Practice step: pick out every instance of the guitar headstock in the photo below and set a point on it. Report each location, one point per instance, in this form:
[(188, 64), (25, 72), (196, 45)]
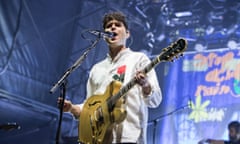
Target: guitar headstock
[(173, 51)]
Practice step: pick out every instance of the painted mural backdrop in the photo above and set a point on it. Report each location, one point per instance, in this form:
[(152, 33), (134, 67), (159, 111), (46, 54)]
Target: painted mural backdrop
[(208, 84)]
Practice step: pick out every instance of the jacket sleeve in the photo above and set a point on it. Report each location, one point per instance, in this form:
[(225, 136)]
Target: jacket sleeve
[(155, 97)]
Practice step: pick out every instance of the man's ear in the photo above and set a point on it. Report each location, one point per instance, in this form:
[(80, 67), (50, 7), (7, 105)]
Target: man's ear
[(128, 33)]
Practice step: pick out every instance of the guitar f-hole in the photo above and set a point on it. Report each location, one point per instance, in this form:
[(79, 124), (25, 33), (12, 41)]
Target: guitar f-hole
[(98, 114)]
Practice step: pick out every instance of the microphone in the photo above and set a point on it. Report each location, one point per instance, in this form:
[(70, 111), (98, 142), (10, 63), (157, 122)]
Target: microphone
[(10, 126), (102, 34)]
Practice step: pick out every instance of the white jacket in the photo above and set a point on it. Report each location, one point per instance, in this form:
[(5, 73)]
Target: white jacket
[(124, 67)]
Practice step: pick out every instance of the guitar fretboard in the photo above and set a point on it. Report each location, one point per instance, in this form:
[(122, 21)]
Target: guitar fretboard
[(131, 83), (166, 55)]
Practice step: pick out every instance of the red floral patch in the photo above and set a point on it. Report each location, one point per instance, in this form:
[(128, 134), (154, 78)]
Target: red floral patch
[(120, 73), (121, 69)]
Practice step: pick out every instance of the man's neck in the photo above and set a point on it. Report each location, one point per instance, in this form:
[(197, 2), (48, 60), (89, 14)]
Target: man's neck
[(113, 51)]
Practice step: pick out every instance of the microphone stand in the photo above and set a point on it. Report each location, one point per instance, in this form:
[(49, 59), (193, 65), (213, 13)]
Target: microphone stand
[(63, 95), (155, 121), (62, 83)]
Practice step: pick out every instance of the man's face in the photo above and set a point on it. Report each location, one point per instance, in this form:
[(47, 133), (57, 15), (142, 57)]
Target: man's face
[(232, 134), (120, 33)]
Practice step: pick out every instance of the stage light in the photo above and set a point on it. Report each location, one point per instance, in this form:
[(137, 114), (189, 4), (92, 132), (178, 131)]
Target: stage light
[(183, 14), (200, 45), (232, 44), (210, 29), (150, 39), (161, 37)]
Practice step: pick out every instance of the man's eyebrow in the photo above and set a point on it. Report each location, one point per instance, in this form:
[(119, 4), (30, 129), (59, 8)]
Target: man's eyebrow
[(114, 22)]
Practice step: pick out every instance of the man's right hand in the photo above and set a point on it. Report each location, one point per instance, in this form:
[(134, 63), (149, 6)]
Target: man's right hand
[(67, 105)]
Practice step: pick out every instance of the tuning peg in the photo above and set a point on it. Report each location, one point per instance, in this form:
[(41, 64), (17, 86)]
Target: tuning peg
[(165, 49)]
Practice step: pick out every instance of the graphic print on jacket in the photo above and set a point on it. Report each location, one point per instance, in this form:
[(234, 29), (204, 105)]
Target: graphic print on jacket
[(119, 76)]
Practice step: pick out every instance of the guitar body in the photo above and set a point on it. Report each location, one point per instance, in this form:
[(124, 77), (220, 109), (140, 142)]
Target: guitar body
[(98, 117)]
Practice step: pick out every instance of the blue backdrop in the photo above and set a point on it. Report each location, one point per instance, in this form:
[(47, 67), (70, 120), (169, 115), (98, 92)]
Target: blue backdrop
[(203, 92)]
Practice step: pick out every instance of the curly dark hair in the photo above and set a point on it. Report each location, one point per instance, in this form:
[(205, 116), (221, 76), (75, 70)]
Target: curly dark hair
[(235, 125), (119, 16)]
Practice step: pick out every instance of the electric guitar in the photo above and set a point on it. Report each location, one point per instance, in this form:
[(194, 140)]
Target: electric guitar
[(101, 112)]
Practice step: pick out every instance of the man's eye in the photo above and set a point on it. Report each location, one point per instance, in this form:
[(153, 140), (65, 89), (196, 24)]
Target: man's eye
[(108, 26)]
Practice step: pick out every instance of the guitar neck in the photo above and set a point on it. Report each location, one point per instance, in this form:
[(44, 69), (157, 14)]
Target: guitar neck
[(167, 54), (131, 83)]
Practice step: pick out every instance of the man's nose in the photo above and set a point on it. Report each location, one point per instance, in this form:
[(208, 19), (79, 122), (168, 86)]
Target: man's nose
[(113, 27)]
